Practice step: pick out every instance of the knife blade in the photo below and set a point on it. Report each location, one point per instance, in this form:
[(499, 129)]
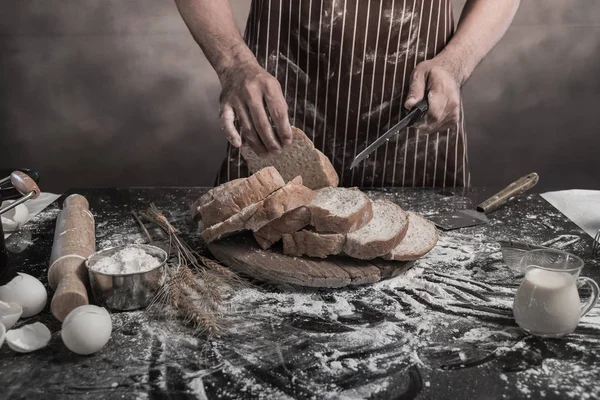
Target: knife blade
[(413, 116)]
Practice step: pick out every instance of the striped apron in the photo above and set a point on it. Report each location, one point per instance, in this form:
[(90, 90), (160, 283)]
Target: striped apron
[(344, 67)]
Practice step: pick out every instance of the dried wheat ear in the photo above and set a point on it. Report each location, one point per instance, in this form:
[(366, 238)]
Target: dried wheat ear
[(195, 288)]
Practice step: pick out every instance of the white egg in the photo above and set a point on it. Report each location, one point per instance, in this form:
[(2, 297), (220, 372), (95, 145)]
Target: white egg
[(13, 219), (28, 338), (2, 334), (10, 314), (27, 292), (86, 329)]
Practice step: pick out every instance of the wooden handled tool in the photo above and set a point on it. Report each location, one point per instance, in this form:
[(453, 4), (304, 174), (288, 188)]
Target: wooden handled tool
[(74, 242), (24, 184), (464, 218), (516, 188)]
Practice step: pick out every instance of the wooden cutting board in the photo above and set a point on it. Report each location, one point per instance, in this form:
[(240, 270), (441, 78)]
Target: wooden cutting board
[(242, 254)]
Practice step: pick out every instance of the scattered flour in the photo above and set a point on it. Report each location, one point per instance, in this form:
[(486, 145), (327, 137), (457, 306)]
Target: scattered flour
[(451, 311), (126, 261)]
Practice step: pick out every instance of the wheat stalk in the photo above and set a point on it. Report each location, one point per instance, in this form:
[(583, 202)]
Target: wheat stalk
[(196, 287)]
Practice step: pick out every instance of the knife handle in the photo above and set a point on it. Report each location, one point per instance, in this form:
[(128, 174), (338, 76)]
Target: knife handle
[(516, 188), (24, 184), (420, 109)]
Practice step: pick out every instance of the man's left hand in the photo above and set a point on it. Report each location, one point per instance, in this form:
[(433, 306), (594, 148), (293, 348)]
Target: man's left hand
[(437, 80)]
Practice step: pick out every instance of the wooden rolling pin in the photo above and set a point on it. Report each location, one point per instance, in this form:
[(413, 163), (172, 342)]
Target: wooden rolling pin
[(74, 242)]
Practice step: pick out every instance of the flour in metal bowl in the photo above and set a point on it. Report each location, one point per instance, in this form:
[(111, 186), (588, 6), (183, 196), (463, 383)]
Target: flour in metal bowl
[(128, 260)]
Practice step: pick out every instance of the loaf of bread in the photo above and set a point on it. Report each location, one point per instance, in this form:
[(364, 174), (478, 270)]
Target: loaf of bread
[(316, 223), (299, 158)]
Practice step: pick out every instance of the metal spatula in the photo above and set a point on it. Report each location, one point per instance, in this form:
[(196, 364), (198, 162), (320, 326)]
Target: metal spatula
[(463, 218)]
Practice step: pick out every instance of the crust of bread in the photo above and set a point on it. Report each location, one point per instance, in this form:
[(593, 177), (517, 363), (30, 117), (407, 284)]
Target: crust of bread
[(299, 158), (231, 198), (290, 222), (331, 177), (291, 196)]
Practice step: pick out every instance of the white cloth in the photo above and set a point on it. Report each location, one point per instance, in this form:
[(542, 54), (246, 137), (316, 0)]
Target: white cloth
[(580, 206)]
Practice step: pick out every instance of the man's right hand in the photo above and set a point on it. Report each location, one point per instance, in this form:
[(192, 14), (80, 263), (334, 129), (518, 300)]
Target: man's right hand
[(253, 97)]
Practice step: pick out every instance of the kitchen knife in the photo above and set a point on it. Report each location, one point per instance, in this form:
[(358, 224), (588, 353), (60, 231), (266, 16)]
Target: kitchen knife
[(413, 116), (463, 218)]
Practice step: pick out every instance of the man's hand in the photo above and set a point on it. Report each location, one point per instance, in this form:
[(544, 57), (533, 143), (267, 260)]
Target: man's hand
[(253, 97), (250, 94), (482, 23), (441, 85)]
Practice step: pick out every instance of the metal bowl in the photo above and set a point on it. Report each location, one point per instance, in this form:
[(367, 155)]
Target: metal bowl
[(130, 291)]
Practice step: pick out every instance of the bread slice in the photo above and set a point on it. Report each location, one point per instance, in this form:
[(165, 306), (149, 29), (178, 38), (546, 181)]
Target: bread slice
[(291, 196), (299, 158), (210, 195), (421, 237), (378, 238), (229, 199), (381, 235), (313, 244), (333, 210), (340, 210), (290, 222), (217, 191)]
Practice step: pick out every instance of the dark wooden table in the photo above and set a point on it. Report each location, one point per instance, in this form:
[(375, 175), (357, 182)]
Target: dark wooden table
[(443, 331)]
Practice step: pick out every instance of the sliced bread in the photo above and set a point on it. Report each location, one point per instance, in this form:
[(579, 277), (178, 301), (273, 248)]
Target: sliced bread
[(340, 210), (313, 244), (217, 191), (333, 210), (299, 158), (421, 237), (381, 235), (231, 198), (210, 195), (291, 196), (290, 222)]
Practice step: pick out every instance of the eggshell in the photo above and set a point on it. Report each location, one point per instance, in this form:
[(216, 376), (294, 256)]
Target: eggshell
[(28, 338), (10, 314), (86, 329), (13, 219), (27, 292), (2, 334)]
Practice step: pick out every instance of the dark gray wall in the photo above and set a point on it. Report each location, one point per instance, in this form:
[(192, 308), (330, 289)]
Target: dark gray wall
[(116, 93)]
